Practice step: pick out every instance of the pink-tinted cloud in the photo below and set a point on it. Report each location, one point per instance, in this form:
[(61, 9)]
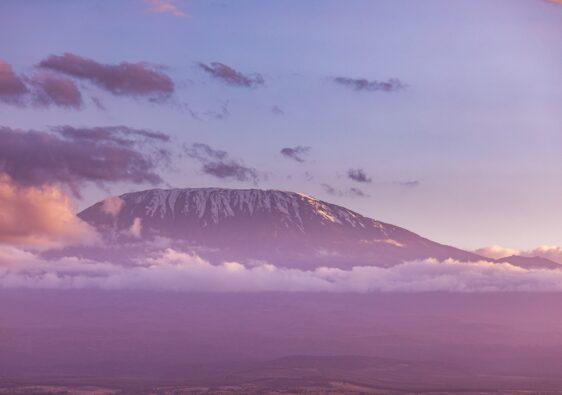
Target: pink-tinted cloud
[(131, 79), (164, 7), (12, 86), (113, 205), (362, 84), (496, 252), (218, 164), (178, 271), (553, 253), (358, 175), (39, 217), (36, 158), (295, 153), (54, 90), (230, 76)]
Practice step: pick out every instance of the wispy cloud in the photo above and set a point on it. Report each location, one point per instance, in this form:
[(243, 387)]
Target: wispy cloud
[(217, 163), (296, 153), (362, 84), (352, 192), (164, 7), (229, 76)]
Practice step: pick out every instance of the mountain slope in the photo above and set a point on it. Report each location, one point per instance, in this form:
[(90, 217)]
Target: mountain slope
[(284, 228)]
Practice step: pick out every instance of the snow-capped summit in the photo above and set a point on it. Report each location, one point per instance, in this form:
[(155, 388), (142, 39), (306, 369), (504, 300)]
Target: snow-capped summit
[(284, 228)]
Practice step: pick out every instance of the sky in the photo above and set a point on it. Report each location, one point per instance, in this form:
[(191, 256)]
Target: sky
[(441, 117)]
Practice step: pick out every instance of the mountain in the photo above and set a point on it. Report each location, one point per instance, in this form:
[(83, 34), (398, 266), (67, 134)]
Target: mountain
[(530, 262), (284, 228)]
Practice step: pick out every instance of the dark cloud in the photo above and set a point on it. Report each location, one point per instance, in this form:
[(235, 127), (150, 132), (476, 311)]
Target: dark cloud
[(358, 175), (230, 76), (361, 84), (295, 153), (12, 86), (34, 158), (120, 135), (53, 90), (353, 192), (131, 79), (218, 164)]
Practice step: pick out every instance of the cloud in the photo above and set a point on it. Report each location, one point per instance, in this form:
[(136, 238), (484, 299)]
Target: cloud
[(295, 153), (119, 135), (358, 175), (230, 76), (353, 192), (557, 2), (164, 7), (130, 79), (53, 90), (496, 252), (554, 253), (218, 164), (12, 86), (409, 184), (136, 227), (39, 217), (277, 110), (170, 269), (113, 205), (361, 84), (34, 158)]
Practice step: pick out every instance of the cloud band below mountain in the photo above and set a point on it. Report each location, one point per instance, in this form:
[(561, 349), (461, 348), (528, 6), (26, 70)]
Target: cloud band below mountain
[(178, 271)]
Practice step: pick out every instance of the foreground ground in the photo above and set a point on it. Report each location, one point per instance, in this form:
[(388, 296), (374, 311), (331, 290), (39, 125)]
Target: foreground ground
[(151, 342)]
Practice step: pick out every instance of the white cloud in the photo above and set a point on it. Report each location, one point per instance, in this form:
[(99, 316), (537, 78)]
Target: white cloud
[(136, 227), (179, 271)]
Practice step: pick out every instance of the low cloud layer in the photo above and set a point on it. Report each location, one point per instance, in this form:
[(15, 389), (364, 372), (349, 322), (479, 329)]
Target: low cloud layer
[(34, 158), (553, 253), (178, 271), (297, 153), (39, 217), (130, 79), (229, 76), (217, 163), (362, 84)]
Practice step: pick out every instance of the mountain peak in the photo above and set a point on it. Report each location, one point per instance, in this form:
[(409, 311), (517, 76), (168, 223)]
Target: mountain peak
[(286, 228)]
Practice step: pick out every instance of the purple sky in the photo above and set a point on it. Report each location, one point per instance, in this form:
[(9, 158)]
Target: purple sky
[(445, 116)]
